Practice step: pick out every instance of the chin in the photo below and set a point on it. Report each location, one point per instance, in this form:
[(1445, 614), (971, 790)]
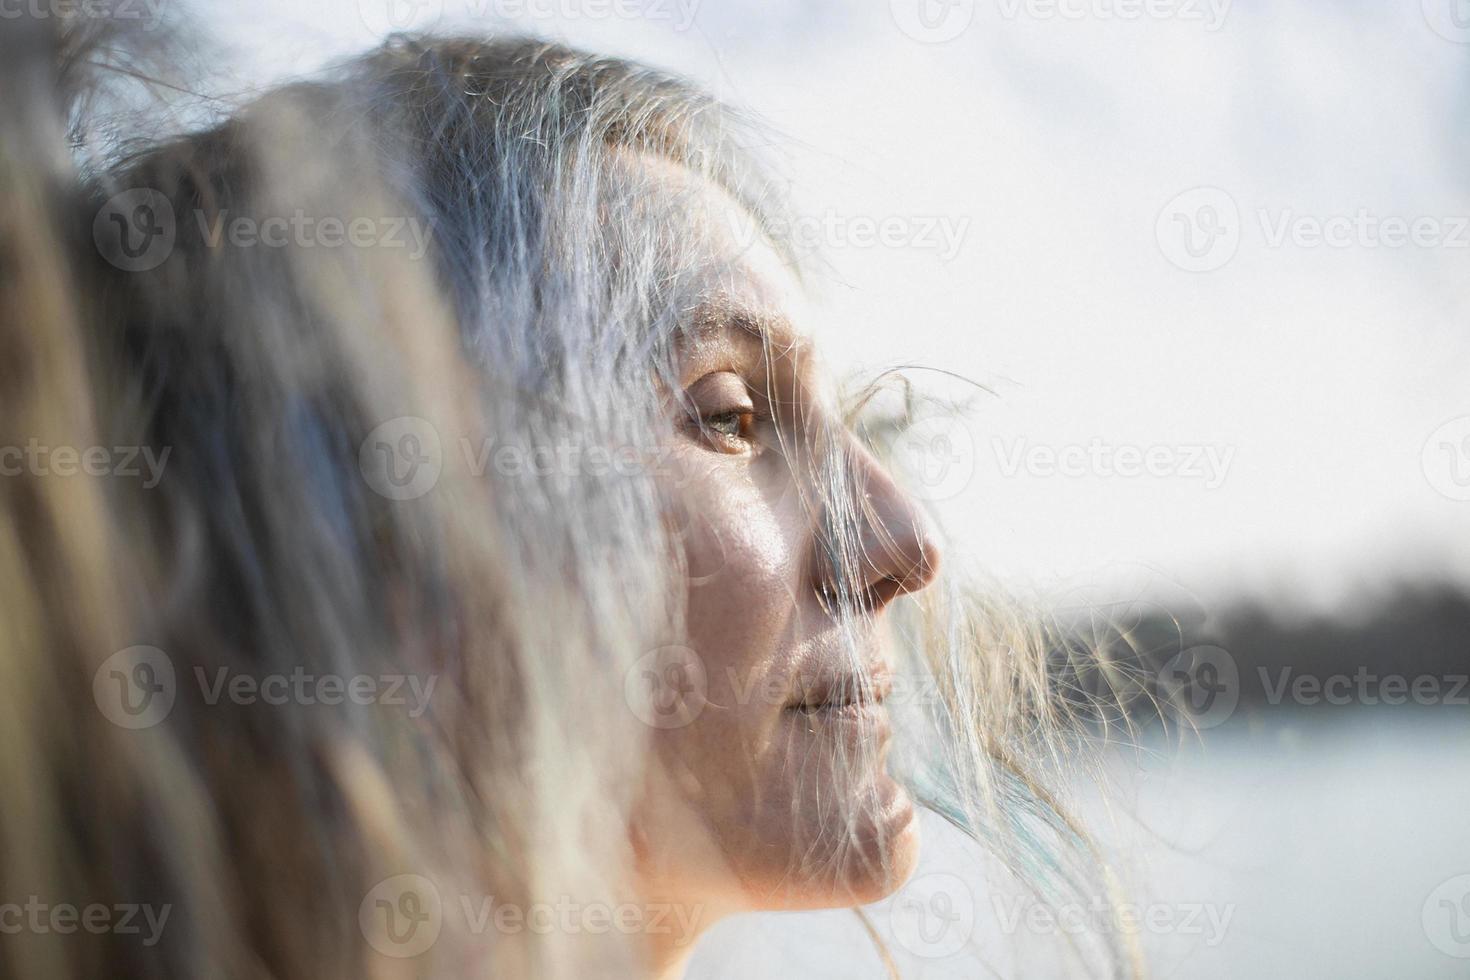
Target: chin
[(875, 859), (889, 850)]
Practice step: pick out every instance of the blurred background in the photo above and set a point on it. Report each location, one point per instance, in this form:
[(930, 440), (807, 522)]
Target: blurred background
[(1208, 261)]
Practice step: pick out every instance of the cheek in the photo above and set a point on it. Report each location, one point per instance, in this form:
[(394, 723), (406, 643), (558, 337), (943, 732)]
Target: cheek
[(769, 795), (744, 543)]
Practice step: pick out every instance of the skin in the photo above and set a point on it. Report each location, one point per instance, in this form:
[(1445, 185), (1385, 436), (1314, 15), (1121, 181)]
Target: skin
[(770, 790)]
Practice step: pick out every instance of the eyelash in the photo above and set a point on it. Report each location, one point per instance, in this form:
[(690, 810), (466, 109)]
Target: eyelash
[(736, 427), (714, 428), (744, 421)]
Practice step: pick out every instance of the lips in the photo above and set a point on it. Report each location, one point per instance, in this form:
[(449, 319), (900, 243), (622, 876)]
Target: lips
[(843, 695)]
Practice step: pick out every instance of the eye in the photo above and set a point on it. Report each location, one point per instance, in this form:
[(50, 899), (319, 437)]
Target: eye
[(734, 424), (722, 413)]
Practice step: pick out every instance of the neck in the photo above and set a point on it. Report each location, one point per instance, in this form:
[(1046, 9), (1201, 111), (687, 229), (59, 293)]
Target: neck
[(669, 962), (673, 929)]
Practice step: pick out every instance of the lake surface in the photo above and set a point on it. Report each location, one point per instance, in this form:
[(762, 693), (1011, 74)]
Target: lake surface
[(1328, 844)]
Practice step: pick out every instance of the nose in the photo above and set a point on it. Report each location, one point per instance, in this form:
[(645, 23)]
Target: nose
[(873, 542)]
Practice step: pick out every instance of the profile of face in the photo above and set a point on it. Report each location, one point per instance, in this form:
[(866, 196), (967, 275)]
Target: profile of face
[(770, 789)]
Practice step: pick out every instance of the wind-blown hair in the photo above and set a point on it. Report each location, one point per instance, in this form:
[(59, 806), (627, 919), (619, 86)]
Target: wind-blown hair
[(530, 299)]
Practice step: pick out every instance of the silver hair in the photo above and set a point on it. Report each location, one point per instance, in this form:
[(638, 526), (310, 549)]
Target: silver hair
[(545, 311)]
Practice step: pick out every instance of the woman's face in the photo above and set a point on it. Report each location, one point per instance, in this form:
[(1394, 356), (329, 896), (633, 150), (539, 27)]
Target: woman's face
[(769, 722)]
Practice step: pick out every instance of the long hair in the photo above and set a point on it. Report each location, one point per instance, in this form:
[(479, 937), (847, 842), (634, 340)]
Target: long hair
[(348, 336)]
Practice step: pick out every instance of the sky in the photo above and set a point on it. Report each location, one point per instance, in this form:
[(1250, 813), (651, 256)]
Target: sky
[(1209, 260), (1207, 257)]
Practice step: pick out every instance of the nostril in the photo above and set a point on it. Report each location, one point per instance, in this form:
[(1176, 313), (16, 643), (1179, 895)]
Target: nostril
[(885, 591), (926, 569), (893, 549)]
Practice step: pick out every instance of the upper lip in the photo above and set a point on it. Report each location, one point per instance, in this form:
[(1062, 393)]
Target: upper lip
[(839, 690)]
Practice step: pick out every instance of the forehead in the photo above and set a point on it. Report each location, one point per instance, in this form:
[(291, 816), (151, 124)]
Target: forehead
[(746, 289)]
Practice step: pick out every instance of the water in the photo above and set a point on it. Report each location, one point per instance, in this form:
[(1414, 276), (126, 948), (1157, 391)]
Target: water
[(1324, 845)]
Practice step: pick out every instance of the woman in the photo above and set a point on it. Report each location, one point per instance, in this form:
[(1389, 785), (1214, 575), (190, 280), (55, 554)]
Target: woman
[(515, 596)]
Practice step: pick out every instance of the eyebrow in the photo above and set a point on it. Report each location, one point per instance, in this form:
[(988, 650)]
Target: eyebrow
[(774, 330)]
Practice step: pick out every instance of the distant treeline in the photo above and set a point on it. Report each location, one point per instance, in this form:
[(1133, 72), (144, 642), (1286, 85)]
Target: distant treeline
[(1409, 647)]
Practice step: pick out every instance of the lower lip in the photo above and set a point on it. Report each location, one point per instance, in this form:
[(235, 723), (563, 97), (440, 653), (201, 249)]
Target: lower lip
[(861, 721), (855, 712)]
